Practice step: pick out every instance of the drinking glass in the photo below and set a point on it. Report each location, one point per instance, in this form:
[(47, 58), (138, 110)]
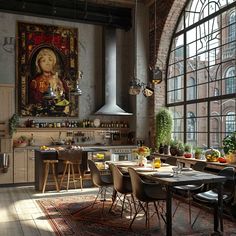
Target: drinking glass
[(179, 167), (157, 162), (175, 171)]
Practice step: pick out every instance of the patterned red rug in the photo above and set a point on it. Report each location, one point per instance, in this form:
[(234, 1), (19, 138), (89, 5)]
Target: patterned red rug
[(73, 215)]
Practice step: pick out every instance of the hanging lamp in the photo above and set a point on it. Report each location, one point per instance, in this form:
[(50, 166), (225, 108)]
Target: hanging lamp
[(156, 73)]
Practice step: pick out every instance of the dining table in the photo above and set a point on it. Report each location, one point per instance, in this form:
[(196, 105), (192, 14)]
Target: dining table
[(165, 176)]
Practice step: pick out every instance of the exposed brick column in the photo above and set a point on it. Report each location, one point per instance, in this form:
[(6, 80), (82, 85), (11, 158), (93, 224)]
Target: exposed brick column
[(168, 13)]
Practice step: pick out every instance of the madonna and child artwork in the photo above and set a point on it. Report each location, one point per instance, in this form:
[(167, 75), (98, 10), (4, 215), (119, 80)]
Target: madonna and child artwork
[(48, 70)]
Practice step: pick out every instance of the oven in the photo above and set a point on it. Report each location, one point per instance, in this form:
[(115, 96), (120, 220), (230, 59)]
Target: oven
[(122, 154)]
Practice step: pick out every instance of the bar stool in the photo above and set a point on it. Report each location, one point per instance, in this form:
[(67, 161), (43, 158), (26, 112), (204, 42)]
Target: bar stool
[(69, 169), (47, 164)]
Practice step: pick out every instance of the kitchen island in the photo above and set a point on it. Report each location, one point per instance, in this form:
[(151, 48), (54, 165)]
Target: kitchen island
[(41, 155)]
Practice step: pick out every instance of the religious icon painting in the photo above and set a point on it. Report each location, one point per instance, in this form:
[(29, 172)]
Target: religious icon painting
[(47, 68)]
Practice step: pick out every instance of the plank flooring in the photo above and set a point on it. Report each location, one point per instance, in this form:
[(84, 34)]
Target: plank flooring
[(21, 216)]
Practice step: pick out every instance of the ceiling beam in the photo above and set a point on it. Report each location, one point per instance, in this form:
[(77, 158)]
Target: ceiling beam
[(69, 10)]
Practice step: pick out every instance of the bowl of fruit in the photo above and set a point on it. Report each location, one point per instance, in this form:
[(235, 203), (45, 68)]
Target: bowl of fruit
[(22, 141), (212, 155)]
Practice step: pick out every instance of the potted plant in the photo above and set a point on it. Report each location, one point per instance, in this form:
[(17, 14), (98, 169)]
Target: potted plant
[(180, 149), (229, 146), (13, 124), (173, 147), (164, 123), (197, 152), (188, 150)]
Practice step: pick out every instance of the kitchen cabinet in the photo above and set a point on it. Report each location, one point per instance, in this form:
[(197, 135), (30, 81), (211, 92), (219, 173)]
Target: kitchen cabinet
[(23, 165)]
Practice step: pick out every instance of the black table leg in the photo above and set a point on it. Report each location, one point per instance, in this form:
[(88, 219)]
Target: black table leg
[(169, 211), (219, 212)]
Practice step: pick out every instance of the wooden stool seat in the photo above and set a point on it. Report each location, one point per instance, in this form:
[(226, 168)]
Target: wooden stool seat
[(47, 164), (69, 169)]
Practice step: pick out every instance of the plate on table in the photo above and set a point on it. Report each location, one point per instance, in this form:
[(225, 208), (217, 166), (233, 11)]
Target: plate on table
[(164, 164), (145, 169), (187, 169), (163, 174)]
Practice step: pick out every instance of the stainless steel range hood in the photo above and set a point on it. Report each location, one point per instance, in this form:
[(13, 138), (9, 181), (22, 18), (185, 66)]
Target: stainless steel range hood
[(110, 107)]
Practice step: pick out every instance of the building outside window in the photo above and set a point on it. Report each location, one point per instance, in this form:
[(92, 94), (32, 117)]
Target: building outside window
[(201, 82)]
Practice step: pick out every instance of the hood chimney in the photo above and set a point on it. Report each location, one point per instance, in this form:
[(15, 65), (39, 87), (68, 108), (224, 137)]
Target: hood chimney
[(110, 107)]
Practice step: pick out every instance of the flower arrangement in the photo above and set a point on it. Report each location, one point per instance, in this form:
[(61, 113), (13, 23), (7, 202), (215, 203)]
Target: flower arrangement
[(142, 151)]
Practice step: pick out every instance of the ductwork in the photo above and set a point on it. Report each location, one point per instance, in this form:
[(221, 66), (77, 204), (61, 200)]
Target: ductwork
[(110, 107)]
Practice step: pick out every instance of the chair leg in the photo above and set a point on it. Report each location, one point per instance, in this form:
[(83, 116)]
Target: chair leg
[(68, 177), (99, 192), (80, 178), (63, 175), (73, 175), (54, 176), (123, 203), (45, 177), (177, 206), (196, 218)]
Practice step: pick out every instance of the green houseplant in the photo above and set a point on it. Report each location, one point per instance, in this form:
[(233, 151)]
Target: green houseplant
[(229, 146), (13, 124), (229, 143), (197, 152), (164, 123)]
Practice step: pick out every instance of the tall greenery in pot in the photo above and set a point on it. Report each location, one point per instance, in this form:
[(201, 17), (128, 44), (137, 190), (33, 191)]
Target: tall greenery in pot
[(164, 124)]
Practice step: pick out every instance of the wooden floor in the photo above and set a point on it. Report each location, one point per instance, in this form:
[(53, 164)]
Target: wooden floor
[(20, 215)]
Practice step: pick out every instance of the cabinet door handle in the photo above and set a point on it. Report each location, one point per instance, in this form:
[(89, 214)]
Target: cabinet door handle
[(32, 158)]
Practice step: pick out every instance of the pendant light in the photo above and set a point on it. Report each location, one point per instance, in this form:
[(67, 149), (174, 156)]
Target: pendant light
[(156, 73), (135, 85), (76, 91)]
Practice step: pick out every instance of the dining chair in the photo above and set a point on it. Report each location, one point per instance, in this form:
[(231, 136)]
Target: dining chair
[(146, 193), (123, 188), (103, 182), (210, 198), (171, 161), (189, 189)]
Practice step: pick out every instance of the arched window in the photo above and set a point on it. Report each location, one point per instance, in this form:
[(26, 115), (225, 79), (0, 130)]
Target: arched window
[(230, 122), (191, 90), (232, 27), (204, 86), (191, 127), (230, 81)]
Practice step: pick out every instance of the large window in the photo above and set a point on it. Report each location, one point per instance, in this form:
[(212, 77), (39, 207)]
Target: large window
[(201, 81)]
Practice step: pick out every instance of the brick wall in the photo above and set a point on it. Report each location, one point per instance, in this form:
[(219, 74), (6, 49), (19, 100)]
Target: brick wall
[(167, 14)]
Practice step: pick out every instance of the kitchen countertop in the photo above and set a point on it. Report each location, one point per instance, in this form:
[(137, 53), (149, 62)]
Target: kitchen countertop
[(85, 146)]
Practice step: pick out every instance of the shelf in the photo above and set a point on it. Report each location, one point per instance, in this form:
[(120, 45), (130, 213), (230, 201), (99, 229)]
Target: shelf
[(66, 129)]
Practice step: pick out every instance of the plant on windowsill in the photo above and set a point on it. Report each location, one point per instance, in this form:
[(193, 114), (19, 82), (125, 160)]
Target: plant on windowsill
[(187, 150), (164, 123), (173, 147), (197, 152)]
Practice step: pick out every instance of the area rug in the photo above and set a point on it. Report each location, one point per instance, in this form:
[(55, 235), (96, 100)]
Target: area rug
[(74, 215)]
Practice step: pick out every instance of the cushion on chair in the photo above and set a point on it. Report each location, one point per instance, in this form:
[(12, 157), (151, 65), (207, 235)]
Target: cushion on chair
[(209, 197)]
